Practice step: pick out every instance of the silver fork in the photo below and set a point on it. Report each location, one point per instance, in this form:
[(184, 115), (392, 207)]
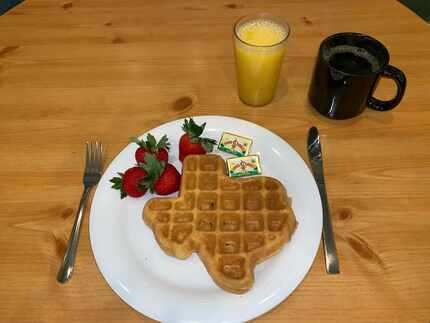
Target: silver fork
[(92, 174)]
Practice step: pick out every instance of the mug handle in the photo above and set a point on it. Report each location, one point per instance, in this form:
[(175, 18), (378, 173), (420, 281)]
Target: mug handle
[(399, 77)]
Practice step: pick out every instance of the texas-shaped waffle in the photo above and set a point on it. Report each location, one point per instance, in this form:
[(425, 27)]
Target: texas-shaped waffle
[(233, 224)]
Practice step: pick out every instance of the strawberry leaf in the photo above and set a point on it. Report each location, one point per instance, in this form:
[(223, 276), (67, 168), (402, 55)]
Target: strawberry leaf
[(141, 143), (151, 142), (194, 132), (117, 184), (195, 129), (147, 183), (185, 125), (163, 143), (192, 129), (208, 144), (154, 168)]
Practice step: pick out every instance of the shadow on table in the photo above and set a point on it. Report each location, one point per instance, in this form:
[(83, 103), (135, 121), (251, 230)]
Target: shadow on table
[(420, 7), (5, 5)]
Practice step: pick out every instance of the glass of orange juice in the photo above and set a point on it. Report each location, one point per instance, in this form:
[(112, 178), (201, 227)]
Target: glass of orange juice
[(259, 46)]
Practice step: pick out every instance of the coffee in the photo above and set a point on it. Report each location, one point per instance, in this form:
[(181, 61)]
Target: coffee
[(352, 60), (346, 72)]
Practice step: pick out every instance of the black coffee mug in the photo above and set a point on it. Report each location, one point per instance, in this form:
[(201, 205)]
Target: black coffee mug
[(348, 68)]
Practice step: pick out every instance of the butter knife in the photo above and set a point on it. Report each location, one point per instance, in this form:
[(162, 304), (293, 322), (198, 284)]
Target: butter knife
[(315, 157)]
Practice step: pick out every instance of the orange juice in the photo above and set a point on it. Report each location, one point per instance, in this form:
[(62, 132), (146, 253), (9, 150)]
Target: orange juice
[(259, 49)]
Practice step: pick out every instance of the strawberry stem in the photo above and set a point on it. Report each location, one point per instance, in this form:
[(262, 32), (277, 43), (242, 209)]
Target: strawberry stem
[(150, 144), (154, 168), (194, 131)]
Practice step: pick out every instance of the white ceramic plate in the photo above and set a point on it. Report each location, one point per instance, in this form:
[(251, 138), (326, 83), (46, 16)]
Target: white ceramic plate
[(172, 290)]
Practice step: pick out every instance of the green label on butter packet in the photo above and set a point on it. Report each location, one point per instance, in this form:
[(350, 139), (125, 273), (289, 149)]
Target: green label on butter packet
[(244, 166), (234, 144)]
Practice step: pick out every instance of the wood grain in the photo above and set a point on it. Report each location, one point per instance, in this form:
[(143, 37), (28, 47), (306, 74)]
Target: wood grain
[(75, 70)]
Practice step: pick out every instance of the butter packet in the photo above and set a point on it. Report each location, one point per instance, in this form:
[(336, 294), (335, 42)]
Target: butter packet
[(244, 166), (234, 144)]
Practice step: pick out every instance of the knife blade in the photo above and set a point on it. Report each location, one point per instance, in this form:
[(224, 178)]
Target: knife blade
[(316, 161)]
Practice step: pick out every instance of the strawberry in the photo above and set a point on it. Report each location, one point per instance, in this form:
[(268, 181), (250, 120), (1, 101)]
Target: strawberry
[(168, 182), (130, 183), (162, 178), (150, 146), (191, 143)]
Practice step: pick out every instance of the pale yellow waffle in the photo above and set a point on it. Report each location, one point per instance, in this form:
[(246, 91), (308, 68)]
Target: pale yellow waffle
[(233, 224)]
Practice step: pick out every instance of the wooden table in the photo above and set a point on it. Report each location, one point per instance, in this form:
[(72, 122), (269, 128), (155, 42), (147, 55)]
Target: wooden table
[(71, 71)]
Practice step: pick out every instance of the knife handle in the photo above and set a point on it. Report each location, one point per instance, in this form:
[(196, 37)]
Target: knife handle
[(331, 259)]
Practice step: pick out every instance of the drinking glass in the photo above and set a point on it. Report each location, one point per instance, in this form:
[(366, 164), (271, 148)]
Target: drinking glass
[(259, 46)]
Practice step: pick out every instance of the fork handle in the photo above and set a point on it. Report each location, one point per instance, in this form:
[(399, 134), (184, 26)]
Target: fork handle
[(68, 263)]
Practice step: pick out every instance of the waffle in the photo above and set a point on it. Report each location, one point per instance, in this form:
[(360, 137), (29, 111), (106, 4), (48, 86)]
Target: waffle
[(233, 224)]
